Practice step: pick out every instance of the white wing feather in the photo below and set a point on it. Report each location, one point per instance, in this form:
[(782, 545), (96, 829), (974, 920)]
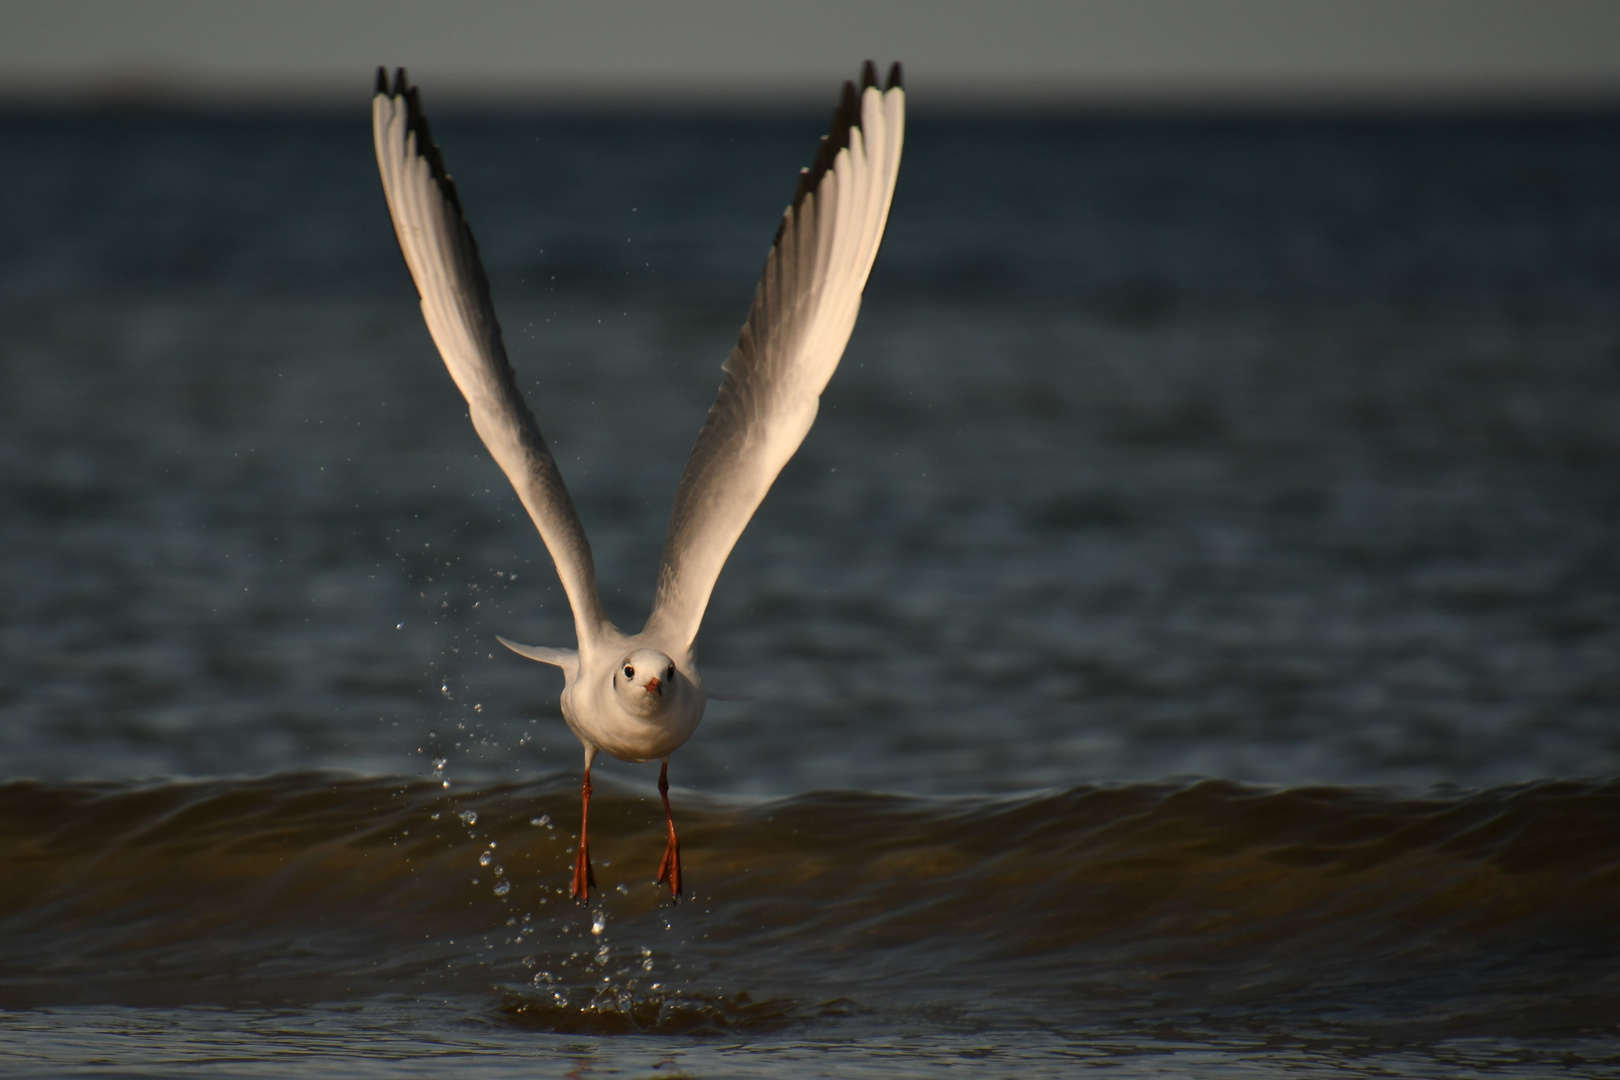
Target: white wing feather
[(443, 259), (803, 313)]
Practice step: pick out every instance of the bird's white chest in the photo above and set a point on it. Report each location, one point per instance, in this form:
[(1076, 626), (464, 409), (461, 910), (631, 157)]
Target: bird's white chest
[(595, 714)]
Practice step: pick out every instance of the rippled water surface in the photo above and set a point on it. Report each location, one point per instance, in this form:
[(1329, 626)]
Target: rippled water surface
[(1121, 923), (1184, 646)]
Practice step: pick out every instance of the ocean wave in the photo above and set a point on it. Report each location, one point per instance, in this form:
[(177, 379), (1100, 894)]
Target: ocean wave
[(1141, 898)]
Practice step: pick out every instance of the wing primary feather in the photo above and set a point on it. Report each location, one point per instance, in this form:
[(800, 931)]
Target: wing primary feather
[(868, 75), (893, 123), (846, 115), (382, 80), (429, 150), (895, 81)]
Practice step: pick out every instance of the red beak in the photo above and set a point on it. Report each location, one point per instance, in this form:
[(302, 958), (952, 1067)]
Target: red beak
[(652, 685)]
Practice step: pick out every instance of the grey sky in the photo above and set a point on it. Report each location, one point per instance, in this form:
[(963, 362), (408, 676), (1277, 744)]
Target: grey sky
[(1271, 52)]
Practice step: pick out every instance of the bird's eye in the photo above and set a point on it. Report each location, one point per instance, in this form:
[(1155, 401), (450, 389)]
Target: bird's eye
[(669, 676), (629, 672)]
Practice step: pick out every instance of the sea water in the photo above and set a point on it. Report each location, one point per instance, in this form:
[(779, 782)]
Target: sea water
[(1185, 645)]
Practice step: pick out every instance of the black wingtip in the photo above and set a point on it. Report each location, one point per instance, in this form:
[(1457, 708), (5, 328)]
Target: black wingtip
[(382, 80), (894, 77), (849, 103), (416, 121), (844, 117)]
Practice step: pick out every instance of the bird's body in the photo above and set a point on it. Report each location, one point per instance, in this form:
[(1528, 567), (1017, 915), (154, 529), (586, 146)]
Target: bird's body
[(639, 696), (616, 712)]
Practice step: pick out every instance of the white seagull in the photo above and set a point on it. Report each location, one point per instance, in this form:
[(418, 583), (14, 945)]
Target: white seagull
[(639, 696)]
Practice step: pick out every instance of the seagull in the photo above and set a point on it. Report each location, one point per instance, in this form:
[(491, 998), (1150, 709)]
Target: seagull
[(639, 696)]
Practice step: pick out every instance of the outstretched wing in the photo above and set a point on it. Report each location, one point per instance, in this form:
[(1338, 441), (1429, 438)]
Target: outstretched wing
[(443, 259), (804, 310)]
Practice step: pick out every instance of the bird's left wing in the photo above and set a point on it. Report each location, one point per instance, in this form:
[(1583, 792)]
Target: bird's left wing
[(804, 311), (443, 260)]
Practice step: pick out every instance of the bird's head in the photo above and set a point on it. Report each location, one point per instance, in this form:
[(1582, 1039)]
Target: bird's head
[(646, 682)]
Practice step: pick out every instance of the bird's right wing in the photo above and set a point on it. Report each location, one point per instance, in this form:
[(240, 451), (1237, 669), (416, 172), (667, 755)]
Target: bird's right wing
[(804, 311), (443, 259)]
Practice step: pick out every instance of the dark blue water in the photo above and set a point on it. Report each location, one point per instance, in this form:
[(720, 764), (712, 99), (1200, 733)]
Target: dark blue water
[(1280, 454)]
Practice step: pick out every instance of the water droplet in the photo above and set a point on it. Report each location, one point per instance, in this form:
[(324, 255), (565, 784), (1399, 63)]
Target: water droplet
[(483, 860), (434, 816), (439, 763), (502, 888), (478, 708), (468, 817), (599, 923), (543, 819), (602, 954), (399, 626)]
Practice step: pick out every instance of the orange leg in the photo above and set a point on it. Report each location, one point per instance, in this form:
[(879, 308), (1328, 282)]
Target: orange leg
[(670, 869), (584, 876)]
